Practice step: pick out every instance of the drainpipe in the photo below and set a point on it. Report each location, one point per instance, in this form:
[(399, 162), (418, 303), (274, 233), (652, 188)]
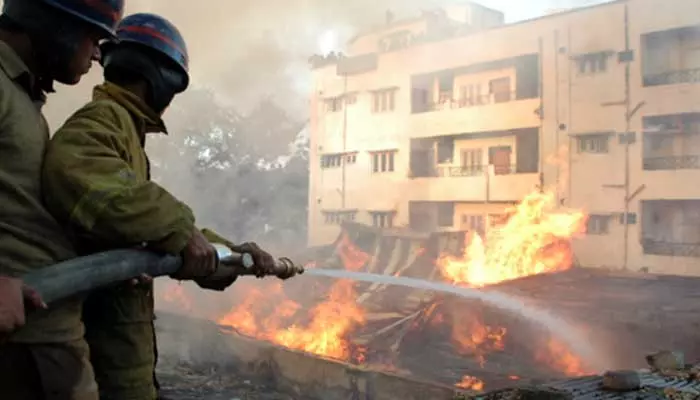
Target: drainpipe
[(343, 158), (570, 177), (557, 115), (540, 136), (628, 117)]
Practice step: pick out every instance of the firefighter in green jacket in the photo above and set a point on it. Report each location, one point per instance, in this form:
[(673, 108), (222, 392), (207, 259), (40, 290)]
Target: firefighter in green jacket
[(96, 177), (41, 41)]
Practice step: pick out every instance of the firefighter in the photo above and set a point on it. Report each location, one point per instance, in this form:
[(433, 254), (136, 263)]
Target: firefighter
[(97, 182), (41, 41)]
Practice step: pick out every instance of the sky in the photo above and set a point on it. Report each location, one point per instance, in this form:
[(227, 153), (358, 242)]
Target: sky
[(248, 49)]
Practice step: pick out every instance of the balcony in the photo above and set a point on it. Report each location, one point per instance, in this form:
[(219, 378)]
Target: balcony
[(456, 117), (673, 77), (670, 249), (472, 184), (672, 163)]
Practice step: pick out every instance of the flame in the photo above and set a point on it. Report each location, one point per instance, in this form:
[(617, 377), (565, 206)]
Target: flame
[(352, 257), (559, 357), (474, 337), (329, 322), (534, 240), (471, 383)]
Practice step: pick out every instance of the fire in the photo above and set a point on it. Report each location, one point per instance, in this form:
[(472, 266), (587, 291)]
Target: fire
[(471, 383), (562, 359), (534, 240), (328, 323), (331, 320), (474, 337)]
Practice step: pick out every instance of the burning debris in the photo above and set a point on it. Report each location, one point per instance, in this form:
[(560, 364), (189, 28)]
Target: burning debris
[(381, 327)]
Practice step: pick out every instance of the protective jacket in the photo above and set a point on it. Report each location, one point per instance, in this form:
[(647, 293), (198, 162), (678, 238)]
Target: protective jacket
[(97, 181)]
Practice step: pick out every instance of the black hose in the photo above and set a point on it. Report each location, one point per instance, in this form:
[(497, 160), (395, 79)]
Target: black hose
[(83, 274)]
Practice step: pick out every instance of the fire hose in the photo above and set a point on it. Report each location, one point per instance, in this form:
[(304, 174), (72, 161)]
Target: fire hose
[(84, 274)]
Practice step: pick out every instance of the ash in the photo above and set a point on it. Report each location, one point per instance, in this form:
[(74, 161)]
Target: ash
[(183, 381)]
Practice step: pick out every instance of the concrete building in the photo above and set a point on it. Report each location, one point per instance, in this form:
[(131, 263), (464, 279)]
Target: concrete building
[(438, 122)]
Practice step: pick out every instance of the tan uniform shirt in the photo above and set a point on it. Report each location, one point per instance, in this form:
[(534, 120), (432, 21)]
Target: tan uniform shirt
[(30, 237)]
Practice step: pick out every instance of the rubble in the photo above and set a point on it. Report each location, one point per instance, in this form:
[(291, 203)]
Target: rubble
[(621, 380)]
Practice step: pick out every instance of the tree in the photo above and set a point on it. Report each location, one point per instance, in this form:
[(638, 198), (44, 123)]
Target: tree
[(245, 176)]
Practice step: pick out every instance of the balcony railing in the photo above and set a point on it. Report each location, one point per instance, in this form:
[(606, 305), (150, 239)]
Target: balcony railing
[(672, 163), (671, 249), (448, 171), (673, 77), (473, 101), (451, 171)]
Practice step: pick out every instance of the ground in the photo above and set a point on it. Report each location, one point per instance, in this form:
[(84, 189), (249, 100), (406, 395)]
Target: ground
[(185, 382)]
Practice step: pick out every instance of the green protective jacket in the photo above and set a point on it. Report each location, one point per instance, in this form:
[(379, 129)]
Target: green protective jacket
[(96, 177), (97, 182)]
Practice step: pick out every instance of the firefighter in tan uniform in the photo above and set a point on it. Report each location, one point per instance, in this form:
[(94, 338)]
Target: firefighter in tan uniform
[(97, 182), (41, 41)]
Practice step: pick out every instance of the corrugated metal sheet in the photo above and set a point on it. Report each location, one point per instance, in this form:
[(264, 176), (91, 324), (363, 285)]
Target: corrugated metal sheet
[(653, 386), (389, 309)]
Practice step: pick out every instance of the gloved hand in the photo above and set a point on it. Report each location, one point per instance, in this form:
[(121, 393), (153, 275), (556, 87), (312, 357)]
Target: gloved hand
[(198, 258), (264, 263)]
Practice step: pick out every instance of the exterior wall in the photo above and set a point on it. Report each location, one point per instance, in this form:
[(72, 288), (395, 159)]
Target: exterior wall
[(573, 103)]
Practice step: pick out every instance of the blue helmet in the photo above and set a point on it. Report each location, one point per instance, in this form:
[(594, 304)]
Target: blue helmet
[(102, 14), (157, 33)]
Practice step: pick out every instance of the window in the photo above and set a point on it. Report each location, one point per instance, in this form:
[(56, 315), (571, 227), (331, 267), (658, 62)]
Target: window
[(500, 90), (445, 214), (593, 63), (350, 99), (338, 217), (331, 160), (445, 150), (382, 219), (593, 143), (336, 160), (472, 161), (470, 95), (383, 100), (598, 224), (383, 161), (334, 104), (475, 223), (498, 220)]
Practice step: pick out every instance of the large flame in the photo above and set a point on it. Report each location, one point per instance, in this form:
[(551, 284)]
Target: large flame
[(328, 323), (534, 240)]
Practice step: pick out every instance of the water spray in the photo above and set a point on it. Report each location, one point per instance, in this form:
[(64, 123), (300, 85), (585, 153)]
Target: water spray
[(508, 303)]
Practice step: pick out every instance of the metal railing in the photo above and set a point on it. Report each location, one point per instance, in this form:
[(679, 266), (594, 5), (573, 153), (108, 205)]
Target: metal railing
[(672, 163), (673, 77), (673, 249), (473, 101), (456, 171)]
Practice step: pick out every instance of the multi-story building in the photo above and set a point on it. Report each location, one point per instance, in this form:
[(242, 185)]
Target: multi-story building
[(438, 122)]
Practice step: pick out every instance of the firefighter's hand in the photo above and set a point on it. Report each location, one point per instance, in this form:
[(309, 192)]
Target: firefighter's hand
[(263, 262), (14, 295), (198, 258)]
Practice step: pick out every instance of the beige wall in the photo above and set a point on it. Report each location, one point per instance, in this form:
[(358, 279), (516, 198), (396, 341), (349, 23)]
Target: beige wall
[(574, 104)]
